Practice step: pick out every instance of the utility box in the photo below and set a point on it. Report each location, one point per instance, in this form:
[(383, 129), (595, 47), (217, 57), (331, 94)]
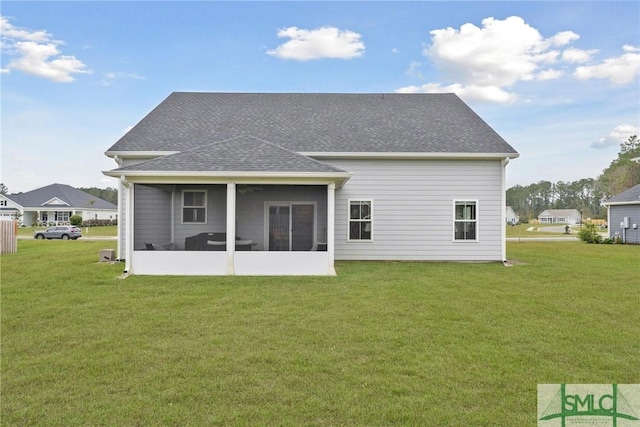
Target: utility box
[(107, 255)]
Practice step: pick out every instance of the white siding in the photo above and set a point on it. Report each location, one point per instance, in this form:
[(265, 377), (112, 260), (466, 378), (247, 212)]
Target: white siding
[(413, 209)]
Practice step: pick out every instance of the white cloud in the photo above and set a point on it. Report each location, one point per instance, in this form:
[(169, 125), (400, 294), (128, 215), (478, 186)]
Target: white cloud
[(498, 54), (11, 32), (469, 92), (616, 137), (110, 78), (563, 38), (414, 69), (38, 54), (324, 42), (620, 70), (486, 62), (578, 56), (549, 74)]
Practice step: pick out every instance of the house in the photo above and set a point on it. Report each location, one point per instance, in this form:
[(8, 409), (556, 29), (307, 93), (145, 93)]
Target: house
[(9, 210), (560, 216), (284, 184), (510, 216), (55, 204), (623, 215)]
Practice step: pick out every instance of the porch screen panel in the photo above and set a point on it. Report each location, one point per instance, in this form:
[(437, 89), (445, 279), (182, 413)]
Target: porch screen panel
[(302, 227), (279, 217)]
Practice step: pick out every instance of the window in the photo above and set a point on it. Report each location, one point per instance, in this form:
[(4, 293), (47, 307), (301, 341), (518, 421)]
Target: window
[(465, 220), (360, 220), (62, 216), (194, 206)]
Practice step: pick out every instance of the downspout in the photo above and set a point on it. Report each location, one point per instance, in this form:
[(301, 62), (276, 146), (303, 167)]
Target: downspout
[(609, 221), (120, 214), (503, 196), (128, 243)]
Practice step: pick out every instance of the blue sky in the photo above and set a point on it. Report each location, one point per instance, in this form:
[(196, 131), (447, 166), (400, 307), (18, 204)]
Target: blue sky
[(560, 81)]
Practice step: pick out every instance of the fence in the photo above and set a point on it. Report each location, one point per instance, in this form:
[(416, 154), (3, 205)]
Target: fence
[(8, 237)]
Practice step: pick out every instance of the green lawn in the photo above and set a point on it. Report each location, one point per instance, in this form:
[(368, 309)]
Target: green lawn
[(538, 230), (383, 343)]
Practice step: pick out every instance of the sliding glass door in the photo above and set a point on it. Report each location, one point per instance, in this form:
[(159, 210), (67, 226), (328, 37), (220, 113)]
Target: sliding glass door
[(291, 226)]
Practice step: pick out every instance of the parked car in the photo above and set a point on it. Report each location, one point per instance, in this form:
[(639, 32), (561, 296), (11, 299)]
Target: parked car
[(64, 232)]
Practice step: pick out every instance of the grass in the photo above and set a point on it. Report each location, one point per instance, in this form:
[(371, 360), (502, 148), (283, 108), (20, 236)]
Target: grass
[(538, 230), (384, 343)]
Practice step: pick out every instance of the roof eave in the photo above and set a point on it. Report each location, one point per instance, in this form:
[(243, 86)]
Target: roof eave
[(407, 155), (138, 154), (627, 202), (215, 177)]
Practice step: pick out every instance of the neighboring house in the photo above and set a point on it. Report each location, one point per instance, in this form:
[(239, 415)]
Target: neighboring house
[(55, 204), (9, 210), (510, 216), (284, 184), (560, 216), (623, 215)]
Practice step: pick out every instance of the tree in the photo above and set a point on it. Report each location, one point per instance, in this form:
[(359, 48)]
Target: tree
[(109, 194), (4, 190), (622, 173)]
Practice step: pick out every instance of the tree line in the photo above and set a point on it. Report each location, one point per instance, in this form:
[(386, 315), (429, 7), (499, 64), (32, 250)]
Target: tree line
[(109, 194), (586, 195)]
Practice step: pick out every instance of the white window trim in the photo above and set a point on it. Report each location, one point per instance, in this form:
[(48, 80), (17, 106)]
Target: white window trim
[(477, 220), (182, 206), (349, 239)]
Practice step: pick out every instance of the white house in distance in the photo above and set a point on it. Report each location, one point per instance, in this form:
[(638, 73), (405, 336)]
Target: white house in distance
[(55, 204), (284, 184), (623, 215), (560, 216), (510, 216)]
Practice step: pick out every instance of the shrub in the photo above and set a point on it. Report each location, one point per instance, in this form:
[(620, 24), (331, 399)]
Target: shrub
[(99, 222), (75, 220), (589, 233)]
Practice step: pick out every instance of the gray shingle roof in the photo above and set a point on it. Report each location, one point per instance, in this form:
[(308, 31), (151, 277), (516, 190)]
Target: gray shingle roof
[(559, 212), (313, 123), (630, 195), (243, 154), (72, 196)]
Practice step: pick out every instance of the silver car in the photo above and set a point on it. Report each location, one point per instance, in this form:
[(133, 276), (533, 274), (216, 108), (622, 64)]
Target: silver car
[(64, 232)]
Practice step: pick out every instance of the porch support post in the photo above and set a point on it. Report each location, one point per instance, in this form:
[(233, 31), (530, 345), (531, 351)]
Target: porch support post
[(231, 227), (331, 223), (503, 204), (128, 243)]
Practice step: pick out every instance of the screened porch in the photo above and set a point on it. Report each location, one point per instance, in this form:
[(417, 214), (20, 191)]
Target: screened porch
[(185, 229)]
